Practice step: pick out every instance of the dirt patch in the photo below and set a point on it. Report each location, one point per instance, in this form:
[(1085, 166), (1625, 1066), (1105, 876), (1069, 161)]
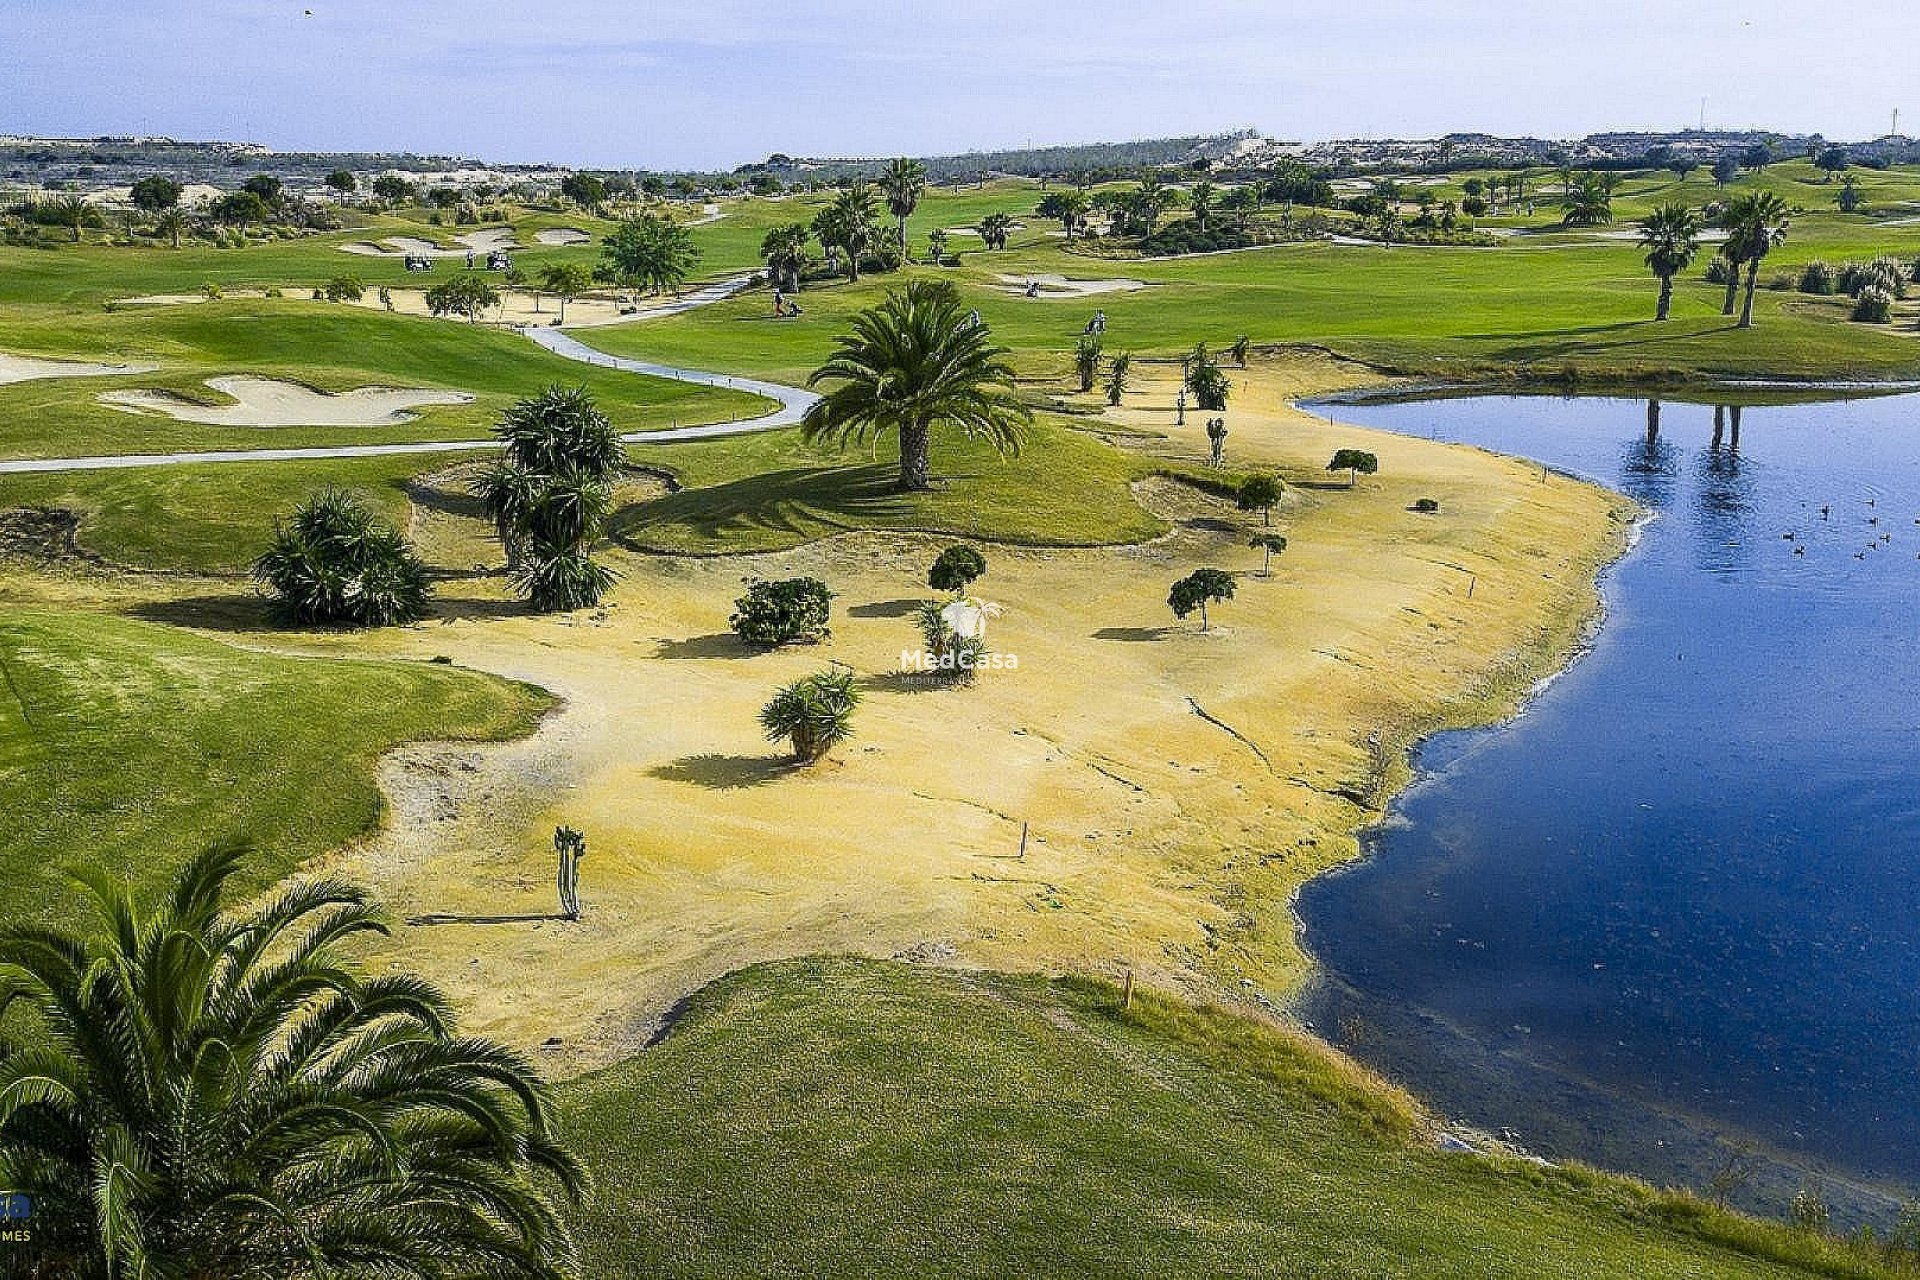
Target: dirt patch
[(40, 534)]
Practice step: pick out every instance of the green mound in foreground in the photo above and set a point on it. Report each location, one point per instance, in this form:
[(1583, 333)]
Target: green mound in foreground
[(847, 1118), (130, 745)]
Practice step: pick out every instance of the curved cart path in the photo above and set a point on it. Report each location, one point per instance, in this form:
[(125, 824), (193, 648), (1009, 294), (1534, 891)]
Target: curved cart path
[(792, 403)]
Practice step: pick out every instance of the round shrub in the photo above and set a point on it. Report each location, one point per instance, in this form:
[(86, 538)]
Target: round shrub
[(1719, 270), (1818, 278), (785, 611), (956, 568), (1874, 306)]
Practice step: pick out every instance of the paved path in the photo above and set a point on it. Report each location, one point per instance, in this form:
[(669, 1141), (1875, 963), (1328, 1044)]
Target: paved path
[(792, 405)]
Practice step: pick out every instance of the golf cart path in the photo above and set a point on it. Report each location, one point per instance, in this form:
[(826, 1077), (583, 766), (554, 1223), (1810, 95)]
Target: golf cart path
[(792, 402)]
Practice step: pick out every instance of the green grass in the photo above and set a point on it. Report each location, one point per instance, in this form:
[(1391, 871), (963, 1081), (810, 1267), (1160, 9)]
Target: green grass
[(852, 1118), (129, 745)]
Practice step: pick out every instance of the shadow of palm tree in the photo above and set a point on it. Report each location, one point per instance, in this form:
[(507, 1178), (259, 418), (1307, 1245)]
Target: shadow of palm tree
[(237, 611), (719, 772), (796, 501), (718, 644), (884, 609), (1136, 635)]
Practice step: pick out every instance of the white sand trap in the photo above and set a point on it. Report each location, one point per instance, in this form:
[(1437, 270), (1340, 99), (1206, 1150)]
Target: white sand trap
[(185, 299), (30, 368), (268, 402), (479, 243), (562, 235), (1052, 286)]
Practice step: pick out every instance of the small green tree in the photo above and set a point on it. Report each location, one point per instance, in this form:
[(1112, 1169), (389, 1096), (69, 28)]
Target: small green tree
[(1197, 589), (1239, 350), (155, 193), (565, 281), (650, 252), (343, 181), (1118, 370), (937, 245), (1356, 463), (335, 562), (956, 568), (784, 249), (345, 288), (994, 230), (172, 224), (814, 713), (784, 611), (1268, 543), (955, 656), (392, 188), (1259, 493), (465, 295), (1086, 360)]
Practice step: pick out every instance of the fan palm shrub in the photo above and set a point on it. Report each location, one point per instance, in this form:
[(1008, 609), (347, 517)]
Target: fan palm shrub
[(335, 562), (814, 713)]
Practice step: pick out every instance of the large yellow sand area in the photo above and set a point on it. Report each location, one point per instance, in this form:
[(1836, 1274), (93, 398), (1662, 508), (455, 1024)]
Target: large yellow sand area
[(1158, 839)]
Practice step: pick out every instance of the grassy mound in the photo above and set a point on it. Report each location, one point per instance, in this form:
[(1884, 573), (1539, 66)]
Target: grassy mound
[(853, 1118), (129, 745)]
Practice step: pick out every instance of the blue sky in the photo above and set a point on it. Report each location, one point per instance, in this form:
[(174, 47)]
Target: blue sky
[(666, 84)]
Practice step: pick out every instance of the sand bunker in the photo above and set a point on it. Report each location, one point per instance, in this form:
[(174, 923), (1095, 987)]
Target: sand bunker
[(562, 235), (268, 402), (29, 368), (479, 243), (1052, 286)]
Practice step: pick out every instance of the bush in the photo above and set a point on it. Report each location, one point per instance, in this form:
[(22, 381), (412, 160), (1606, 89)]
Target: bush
[(1188, 236), (1886, 274), (956, 568), (1719, 270), (957, 657), (1875, 306), (787, 611), (336, 562), (1426, 506), (814, 713), (1818, 278), (345, 289)]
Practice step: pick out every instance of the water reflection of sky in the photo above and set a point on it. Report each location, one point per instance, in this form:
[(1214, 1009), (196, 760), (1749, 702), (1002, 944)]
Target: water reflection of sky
[(1686, 878)]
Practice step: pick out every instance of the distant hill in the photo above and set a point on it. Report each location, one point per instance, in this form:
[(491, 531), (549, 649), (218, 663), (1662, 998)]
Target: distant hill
[(1027, 162)]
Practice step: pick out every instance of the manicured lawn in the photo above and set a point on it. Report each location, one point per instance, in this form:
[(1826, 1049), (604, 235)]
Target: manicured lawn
[(129, 745), (852, 1118)]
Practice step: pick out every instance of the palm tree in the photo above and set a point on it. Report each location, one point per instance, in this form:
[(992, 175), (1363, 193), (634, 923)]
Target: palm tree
[(994, 229), (915, 360), (847, 224), (1589, 203), (904, 182), (199, 1091), (1200, 202), (74, 212), (937, 245), (172, 224), (1670, 235), (1756, 221), (785, 251)]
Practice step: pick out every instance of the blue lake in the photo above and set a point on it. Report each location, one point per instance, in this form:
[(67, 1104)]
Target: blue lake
[(1668, 920)]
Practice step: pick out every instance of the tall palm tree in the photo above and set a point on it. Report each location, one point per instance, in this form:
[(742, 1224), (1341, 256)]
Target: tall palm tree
[(1200, 201), (904, 182), (847, 224), (1756, 221), (198, 1091), (1671, 237), (916, 360)]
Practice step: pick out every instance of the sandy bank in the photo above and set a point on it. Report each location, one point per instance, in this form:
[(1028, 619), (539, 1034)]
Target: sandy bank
[(479, 243), (268, 402), (1158, 837), (1058, 286), (31, 368)]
